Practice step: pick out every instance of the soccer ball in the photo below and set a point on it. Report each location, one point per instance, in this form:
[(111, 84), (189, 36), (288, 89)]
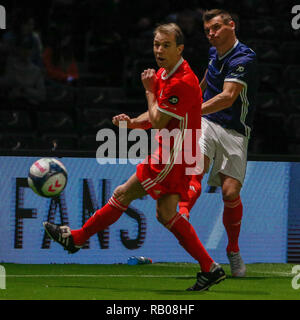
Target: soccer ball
[(47, 177)]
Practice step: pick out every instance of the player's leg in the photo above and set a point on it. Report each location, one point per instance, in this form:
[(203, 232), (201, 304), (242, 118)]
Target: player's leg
[(112, 211), (233, 211), (101, 219), (182, 229), (228, 171), (208, 148), (194, 192), (232, 218), (167, 214)]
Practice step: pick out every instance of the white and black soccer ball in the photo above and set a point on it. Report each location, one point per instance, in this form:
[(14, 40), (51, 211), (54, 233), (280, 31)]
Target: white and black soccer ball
[(47, 177)]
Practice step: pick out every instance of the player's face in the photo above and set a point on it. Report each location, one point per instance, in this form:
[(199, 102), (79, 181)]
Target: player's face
[(166, 52), (217, 32)]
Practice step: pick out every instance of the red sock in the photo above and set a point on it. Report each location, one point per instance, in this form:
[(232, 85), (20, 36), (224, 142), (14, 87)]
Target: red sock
[(100, 220), (194, 193), (232, 216), (187, 237)]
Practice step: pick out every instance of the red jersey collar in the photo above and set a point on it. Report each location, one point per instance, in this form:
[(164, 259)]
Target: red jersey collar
[(178, 64)]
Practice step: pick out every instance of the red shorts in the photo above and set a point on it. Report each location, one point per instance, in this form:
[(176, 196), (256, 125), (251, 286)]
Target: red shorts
[(157, 184)]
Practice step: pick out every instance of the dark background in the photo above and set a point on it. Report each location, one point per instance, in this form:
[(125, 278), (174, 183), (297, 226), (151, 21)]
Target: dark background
[(111, 44)]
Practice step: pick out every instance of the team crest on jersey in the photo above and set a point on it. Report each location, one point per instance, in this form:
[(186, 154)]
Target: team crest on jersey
[(173, 99)]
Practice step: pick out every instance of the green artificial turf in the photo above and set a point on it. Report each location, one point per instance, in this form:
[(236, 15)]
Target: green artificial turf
[(160, 281)]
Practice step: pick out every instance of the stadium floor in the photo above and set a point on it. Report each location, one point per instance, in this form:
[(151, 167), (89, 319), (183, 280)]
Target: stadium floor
[(159, 281)]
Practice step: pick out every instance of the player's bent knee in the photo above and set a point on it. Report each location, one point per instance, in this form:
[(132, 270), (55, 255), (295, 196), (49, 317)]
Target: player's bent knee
[(161, 217), (231, 194), (164, 217), (121, 195)]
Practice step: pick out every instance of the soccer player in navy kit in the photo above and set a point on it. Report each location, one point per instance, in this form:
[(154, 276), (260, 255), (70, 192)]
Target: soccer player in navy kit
[(229, 87)]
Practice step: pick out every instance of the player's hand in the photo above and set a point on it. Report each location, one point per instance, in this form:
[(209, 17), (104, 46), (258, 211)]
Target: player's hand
[(148, 78), (122, 117)]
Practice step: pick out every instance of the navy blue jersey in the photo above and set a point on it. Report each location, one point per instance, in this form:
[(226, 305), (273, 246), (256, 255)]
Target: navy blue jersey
[(239, 64)]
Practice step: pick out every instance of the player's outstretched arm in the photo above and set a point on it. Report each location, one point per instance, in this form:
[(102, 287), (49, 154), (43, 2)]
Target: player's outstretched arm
[(223, 100), (140, 122)]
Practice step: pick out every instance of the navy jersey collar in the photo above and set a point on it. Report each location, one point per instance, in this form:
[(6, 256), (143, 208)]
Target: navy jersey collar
[(229, 51)]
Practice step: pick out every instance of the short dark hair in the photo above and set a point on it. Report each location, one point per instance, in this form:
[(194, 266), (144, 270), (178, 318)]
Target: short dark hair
[(210, 14), (171, 28), (225, 15)]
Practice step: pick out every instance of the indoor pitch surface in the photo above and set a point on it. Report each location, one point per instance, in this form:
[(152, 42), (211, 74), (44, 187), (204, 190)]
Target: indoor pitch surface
[(159, 281)]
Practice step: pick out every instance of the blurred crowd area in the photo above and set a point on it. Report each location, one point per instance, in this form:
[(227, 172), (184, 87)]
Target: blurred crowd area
[(67, 67)]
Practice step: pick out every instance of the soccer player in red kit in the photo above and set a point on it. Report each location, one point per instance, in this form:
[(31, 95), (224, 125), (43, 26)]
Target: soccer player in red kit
[(174, 103)]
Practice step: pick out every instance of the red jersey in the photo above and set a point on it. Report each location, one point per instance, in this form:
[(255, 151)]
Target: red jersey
[(179, 95)]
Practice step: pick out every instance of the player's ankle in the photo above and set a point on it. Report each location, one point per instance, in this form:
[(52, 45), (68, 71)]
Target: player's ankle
[(233, 248), (79, 237)]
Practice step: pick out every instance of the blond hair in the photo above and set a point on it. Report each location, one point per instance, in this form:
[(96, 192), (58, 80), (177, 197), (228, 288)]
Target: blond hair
[(171, 28)]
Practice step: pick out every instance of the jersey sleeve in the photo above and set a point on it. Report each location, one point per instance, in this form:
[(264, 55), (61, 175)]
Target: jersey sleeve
[(241, 70), (177, 98)]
